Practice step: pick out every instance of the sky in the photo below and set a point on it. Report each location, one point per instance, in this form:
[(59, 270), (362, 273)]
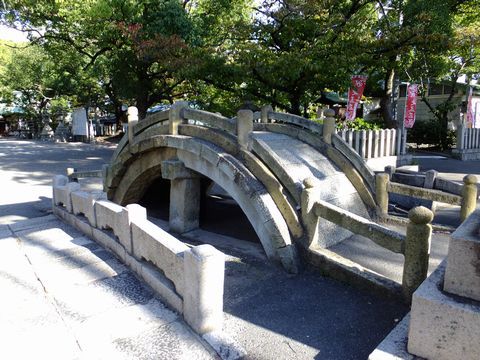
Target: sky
[(7, 33)]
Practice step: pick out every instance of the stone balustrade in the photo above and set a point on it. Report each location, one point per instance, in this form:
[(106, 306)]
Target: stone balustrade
[(415, 246), (190, 280), (467, 200)]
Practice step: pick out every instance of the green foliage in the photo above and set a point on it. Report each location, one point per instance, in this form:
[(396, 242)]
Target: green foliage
[(431, 133), (358, 124)]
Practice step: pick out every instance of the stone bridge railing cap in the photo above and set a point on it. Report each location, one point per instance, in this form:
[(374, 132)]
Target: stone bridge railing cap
[(309, 183), (420, 215), (470, 179)]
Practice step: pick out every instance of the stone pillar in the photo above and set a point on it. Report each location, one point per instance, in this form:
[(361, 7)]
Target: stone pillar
[(390, 170), (429, 183), (309, 195), (132, 121), (244, 128), (175, 116), (328, 125), (417, 249), (430, 177), (264, 113), (184, 196), (469, 196), (381, 194), (204, 269)]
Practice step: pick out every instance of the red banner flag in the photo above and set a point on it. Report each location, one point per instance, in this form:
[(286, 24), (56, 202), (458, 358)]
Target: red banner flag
[(354, 95), (469, 117), (410, 106)]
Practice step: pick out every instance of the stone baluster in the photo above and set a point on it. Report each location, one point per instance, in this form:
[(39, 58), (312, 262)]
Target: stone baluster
[(244, 128), (132, 121), (328, 125), (381, 194), (175, 117), (264, 113), (469, 196), (417, 249)]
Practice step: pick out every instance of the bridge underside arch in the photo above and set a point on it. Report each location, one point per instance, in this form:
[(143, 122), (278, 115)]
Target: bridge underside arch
[(144, 167)]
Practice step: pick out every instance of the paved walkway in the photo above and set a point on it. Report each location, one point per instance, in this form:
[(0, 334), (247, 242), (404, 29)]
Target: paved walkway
[(63, 297)]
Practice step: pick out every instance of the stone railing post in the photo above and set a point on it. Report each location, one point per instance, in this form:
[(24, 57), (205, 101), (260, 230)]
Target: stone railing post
[(244, 128), (469, 196), (308, 198), (381, 193), (132, 114), (204, 268), (417, 249), (264, 113), (175, 116), (328, 125)]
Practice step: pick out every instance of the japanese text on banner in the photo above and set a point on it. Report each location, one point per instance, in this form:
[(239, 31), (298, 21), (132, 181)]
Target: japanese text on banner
[(410, 106), (354, 95)]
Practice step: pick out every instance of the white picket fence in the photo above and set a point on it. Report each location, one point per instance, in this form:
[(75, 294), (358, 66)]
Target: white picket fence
[(371, 144), (468, 138)]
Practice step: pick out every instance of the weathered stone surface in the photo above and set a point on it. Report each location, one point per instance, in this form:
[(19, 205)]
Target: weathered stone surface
[(174, 170), (225, 140), (83, 203), (462, 276), (62, 194), (441, 327), (276, 190), (417, 249), (204, 269), (160, 248), (184, 212), (244, 128), (111, 216)]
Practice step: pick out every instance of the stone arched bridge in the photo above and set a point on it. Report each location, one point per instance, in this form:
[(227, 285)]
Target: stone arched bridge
[(260, 159)]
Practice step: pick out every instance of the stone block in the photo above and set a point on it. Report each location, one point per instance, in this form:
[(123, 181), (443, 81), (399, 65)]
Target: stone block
[(62, 194), (174, 169), (184, 205), (442, 326), (462, 276), (204, 269), (83, 203), (152, 244), (114, 217), (108, 241), (162, 286)]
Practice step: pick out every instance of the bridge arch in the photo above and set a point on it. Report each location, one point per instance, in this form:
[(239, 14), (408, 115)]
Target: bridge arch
[(135, 168)]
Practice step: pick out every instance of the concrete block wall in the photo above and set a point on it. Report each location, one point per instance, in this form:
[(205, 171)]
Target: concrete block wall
[(190, 280)]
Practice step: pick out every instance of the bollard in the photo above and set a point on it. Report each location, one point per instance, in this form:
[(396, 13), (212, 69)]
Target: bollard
[(175, 117), (204, 268), (328, 125), (264, 113), (244, 128), (469, 196), (132, 121), (417, 249), (381, 193)]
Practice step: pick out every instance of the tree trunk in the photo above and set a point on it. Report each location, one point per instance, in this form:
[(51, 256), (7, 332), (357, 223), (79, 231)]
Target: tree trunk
[(386, 100)]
